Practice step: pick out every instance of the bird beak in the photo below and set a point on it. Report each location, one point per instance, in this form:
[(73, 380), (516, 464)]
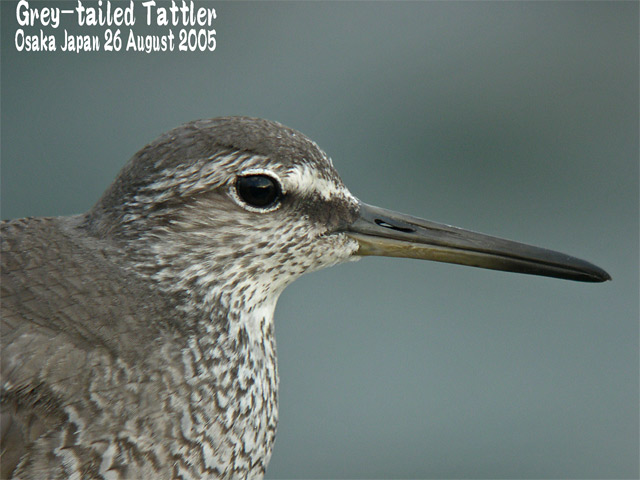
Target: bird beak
[(386, 233)]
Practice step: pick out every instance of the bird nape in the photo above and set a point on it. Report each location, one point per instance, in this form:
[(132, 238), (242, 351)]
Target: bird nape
[(138, 339)]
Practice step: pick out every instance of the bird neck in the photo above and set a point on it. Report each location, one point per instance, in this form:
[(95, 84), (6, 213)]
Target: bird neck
[(207, 296), (208, 283)]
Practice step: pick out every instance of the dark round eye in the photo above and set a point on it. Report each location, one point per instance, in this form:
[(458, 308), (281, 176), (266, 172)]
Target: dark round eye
[(260, 191)]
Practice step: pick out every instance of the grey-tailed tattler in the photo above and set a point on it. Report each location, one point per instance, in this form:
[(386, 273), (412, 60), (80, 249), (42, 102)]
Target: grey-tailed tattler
[(138, 338)]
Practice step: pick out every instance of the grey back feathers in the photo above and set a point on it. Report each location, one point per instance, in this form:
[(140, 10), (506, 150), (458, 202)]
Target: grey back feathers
[(138, 339)]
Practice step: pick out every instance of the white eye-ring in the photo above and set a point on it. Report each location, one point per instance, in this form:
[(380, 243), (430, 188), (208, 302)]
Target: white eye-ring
[(257, 190)]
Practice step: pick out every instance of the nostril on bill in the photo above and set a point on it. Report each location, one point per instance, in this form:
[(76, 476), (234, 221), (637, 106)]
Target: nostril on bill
[(384, 224)]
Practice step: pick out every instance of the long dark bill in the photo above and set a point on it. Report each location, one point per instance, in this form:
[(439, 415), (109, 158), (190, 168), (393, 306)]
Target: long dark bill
[(386, 233)]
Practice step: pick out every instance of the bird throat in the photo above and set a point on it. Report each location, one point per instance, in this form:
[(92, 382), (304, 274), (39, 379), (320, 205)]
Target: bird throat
[(237, 359), (230, 355)]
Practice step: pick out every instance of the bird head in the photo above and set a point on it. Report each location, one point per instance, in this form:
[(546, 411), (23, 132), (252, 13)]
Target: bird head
[(237, 208)]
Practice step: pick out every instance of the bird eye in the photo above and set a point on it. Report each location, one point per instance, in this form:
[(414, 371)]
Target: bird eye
[(260, 191)]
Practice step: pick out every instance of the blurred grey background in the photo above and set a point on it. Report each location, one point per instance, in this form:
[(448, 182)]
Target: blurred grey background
[(518, 119)]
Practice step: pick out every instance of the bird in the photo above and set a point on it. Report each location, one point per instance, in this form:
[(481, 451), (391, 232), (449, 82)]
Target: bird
[(138, 337)]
